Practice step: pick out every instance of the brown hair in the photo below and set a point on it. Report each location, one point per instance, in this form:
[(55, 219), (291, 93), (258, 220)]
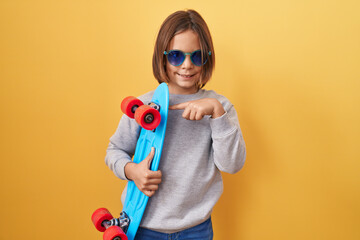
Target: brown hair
[(176, 23)]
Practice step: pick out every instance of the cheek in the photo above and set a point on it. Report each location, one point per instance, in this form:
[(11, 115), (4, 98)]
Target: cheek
[(170, 70), (198, 71)]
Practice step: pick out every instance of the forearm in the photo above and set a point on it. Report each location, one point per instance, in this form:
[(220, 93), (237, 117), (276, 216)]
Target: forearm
[(116, 159), (122, 146)]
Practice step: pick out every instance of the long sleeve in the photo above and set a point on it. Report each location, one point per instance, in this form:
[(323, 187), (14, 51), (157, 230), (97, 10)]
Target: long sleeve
[(193, 156), (122, 146), (229, 150)]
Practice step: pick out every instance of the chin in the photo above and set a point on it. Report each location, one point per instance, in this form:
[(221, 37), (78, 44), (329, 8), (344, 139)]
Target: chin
[(187, 84)]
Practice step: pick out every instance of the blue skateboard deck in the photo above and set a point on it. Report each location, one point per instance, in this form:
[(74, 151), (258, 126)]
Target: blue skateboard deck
[(136, 201)]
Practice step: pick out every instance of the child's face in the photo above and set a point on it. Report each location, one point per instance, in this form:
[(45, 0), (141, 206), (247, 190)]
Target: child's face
[(183, 78)]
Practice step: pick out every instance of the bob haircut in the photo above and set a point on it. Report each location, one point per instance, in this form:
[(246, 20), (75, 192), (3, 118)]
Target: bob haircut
[(176, 23)]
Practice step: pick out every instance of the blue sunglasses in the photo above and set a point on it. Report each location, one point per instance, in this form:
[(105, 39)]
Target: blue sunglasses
[(177, 57)]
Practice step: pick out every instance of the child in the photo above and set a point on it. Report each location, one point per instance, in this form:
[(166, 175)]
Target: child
[(203, 137)]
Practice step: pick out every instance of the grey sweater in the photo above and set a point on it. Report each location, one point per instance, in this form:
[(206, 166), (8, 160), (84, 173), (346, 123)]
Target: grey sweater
[(193, 155)]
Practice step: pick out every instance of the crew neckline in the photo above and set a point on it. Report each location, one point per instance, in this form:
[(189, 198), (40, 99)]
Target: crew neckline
[(187, 95)]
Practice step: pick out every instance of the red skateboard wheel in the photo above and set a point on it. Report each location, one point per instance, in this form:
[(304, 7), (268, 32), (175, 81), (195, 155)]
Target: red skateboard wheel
[(100, 215), (114, 233), (129, 105), (147, 117)]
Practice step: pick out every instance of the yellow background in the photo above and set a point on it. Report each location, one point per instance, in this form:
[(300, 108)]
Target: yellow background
[(291, 68)]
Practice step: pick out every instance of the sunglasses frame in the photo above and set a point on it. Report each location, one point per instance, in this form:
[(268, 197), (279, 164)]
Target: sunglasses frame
[(185, 54)]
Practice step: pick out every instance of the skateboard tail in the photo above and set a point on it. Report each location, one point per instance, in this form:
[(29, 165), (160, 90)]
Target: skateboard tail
[(137, 213)]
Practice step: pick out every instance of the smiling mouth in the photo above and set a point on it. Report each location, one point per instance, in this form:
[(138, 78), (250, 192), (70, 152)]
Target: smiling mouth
[(185, 75)]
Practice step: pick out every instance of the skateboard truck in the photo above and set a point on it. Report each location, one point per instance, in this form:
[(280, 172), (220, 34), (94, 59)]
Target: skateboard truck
[(150, 118), (123, 222), (147, 116), (113, 228), (155, 106)]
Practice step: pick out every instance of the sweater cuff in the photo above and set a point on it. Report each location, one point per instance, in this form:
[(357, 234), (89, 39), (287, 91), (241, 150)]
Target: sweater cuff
[(120, 169), (221, 126)]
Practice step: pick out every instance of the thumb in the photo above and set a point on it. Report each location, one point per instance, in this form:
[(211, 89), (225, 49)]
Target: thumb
[(150, 157)]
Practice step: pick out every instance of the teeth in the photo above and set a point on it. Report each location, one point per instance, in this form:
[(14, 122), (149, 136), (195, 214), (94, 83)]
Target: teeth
[(185, 75)]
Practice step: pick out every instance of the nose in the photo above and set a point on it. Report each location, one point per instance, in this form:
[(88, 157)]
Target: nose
[(187, 63)]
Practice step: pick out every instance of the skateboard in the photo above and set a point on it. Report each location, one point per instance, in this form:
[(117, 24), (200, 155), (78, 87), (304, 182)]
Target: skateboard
[(153, 119)]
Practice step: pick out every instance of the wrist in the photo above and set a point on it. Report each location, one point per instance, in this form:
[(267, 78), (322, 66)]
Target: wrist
[(218, 110), (129, 170)]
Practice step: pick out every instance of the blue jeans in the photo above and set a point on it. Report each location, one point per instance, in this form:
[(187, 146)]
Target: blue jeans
[(203, 231)]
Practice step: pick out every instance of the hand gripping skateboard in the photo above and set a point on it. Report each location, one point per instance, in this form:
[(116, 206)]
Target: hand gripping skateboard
[(152, 118)]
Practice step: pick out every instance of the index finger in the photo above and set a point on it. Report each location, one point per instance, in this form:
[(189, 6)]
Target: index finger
[(179, 106)]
